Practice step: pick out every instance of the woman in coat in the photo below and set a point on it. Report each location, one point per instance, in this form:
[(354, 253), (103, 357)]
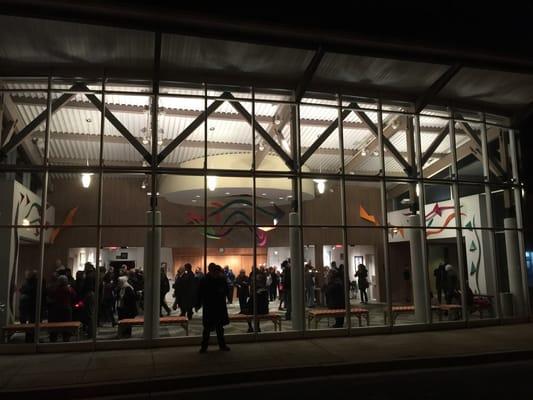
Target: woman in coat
[(362, 282), (212, 295), (62, 297), (242, 283)]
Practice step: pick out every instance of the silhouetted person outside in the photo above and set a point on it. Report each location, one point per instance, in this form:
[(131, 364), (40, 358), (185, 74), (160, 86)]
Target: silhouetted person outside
[(286, 279), (212, 296), (28, 301)]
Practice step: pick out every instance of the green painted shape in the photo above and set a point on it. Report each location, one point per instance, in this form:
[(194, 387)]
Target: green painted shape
[(469, 225), (473, 246), (430, 222), (473, 268)]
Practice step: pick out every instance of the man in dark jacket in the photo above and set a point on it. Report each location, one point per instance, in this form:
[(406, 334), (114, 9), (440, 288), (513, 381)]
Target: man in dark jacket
[(163, 290), (286, 281), (440, 280), (335, 295), (212, 293)]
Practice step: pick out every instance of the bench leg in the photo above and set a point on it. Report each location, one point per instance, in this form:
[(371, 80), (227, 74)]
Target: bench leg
[(186, 327), (359, 319)]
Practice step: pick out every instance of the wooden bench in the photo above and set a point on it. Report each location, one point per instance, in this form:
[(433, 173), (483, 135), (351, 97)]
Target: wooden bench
[(317, 315), (275, 318), (482, 302), (183, 321), (74, 326), (410, 309), (448, 308)]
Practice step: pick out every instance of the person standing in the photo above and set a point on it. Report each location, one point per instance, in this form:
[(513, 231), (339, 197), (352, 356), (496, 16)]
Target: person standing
[(89, 297), (335, 295), (286, 278), (273, 288), (163, 290), (362, 282), (440, 280), (127, 305), (452, 284), (230, 281), (28, 302), (62, 297), (242, 283), (309, 281), (212, 295), (176, 287), (187, 291)]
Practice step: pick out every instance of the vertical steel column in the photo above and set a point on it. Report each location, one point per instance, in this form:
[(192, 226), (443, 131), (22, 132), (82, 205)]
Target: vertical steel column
[(463, 280), (519, 220), (254, 216), (44, 200), (205, 177), (342, 185), (297, 313), (156, 216), (490, 221), (99, 211), (422, 212), (384, 229)]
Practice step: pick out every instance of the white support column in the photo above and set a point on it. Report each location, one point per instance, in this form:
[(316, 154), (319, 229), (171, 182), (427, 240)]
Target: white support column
[(513, 266), (417, 271), (297, 294)]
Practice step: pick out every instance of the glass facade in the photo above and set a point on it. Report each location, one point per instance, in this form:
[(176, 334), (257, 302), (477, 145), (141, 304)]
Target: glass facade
[(334, 215)]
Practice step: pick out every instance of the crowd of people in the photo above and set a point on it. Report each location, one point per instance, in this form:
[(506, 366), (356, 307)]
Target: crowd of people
[(120, 293)]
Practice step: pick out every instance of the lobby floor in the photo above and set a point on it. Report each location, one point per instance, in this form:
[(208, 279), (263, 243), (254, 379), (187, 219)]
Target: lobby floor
[(87, 374)]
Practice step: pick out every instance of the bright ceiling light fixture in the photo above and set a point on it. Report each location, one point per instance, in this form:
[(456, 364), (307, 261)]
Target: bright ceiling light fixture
[(143, 185), (86, 180), (363, 152), (320, 185), (25, 222), (212, 183)]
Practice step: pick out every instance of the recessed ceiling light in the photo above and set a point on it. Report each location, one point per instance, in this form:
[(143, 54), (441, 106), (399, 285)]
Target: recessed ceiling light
[(88, 120), (375, 153), (194, 200), (263, 194), (197, 196), (289, 196), (212, 128), (272, 202), (227, 193), (280, 197)]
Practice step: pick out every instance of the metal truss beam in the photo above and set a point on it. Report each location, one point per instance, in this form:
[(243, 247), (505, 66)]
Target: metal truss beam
[(436, 87)]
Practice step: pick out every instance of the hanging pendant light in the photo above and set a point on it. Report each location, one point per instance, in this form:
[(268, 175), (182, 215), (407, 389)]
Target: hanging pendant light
[(86, 180), (320, 185), (212, 183)]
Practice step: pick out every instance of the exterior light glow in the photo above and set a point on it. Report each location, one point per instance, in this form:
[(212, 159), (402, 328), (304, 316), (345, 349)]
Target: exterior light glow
[(212, 183)]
